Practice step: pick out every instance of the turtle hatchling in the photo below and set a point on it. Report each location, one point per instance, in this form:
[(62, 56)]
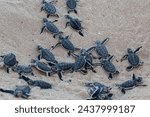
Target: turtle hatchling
[(9, 61), (47, 55), (61, 67), (100, 48), (71, 5), (80, 61), (20, 91), (49, 25), (38, 83), (75, 24), (130, 84), (109, 67), (133, 58), (104, 88), (98, 91), (67, 44), (41, 66), (22, 69), (49, 8), (89, 61)]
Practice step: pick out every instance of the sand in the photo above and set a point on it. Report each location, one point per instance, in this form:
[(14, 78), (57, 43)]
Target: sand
[(125, 22)]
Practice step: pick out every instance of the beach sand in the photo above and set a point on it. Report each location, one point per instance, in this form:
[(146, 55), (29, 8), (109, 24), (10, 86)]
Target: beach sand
[(125, 22)]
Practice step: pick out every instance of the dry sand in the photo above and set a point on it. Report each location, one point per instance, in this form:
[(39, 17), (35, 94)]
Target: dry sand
[(126, 22)]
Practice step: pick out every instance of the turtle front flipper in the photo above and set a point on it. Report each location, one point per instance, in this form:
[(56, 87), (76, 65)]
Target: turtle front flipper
[(7, 69), (137, 49), (42, 29), (67, 24), (129, 68), (124, 57), (60, 75), (57, 44), (7, 91), (105, 40)]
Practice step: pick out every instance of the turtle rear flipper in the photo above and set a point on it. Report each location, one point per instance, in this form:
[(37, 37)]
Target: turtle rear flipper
[(123, 91), (129, 68), (80, 33), (110, 76), (75, 11)]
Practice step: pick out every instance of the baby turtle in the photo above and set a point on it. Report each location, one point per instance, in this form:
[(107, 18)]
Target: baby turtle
[(100, 48), (89, 60), (47, 55), (9, 61), (22, 69), (41, 66), (99, 91), (130, 84), (20, 91), (49, 8), (66, 43), (109, 67), (104, 88), (49, 25), (61, 67), (74, 23), (71, 5), (80, 62), (39, 83), (133, 58)]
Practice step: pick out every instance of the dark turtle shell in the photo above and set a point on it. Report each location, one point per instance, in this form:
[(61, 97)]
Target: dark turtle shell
[(51, 27), (43, 67), (133, 59), (49, 8), (67, 44), (75, 24), (47, 55), (23, 69), (41, 84), (66, 66), (102, 51), (25, 89), (71, 4), (79, 63), (108, 66), (127, 84), (10, 60)]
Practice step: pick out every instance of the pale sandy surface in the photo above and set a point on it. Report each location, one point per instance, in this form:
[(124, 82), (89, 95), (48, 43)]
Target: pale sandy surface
[(126, 22)]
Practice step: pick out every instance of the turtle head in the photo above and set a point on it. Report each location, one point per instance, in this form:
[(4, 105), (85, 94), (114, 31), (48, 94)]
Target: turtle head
[(137, 80), (18, 93), (33, 61), (44, 1), (30, 82), (129, 50), (67, 17), (61, 37), (45, 20), (39, 47), (97, 42), (82, 51)]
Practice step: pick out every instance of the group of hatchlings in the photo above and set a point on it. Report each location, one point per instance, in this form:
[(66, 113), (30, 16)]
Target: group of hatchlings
[(83, 60)]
